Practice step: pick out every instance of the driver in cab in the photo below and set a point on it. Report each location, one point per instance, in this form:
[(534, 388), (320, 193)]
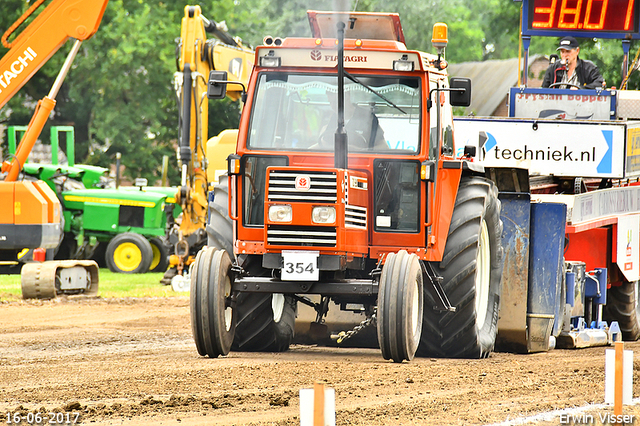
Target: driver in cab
[(360, 123), (571, 72)]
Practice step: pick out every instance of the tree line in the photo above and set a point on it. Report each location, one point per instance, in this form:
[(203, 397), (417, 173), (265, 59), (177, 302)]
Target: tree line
[(119, 94)]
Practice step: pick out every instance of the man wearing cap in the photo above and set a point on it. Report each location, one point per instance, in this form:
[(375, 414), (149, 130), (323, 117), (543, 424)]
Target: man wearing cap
[(572, 71)]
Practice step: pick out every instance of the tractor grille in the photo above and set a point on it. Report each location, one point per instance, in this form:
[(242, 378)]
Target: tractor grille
[(302, 236), (322, 189), (355, 217)]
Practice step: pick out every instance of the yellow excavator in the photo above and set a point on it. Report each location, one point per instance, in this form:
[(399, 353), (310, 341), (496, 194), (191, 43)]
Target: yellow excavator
[(30, 214), (202, 159)]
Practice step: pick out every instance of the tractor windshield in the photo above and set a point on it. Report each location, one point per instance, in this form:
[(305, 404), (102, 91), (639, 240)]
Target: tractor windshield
[(299, 112)]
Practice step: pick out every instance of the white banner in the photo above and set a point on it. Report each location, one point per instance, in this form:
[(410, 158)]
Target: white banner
[(560, 148)]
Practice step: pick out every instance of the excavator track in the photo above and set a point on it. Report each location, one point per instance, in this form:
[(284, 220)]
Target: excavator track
[(49, 279)]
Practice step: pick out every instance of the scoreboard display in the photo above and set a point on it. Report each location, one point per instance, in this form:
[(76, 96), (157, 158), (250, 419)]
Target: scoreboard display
[(582, 18)]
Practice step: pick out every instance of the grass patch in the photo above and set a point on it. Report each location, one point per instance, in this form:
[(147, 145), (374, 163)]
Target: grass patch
[(110, 285)]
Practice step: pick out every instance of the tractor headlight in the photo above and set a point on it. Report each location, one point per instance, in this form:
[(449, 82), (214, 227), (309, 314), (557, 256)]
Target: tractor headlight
[(403, 65), (323, 214), (269, 61), (280, 213)]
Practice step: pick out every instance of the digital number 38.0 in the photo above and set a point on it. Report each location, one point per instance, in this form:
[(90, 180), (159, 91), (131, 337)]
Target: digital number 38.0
[(589, 15)]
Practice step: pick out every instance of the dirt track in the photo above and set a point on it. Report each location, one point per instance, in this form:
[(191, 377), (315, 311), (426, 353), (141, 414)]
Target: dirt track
[(134, 362)]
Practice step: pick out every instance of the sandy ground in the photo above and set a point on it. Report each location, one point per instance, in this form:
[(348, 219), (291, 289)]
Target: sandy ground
[(133, 362)]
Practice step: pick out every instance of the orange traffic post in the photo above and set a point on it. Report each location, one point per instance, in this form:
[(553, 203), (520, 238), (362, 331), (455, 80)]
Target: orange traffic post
[(318, 404), (617, 393)]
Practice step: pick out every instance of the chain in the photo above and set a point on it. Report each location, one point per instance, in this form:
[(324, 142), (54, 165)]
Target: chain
[(344, 335)]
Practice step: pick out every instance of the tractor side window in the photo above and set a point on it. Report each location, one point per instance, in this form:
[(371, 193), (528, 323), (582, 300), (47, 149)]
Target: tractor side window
[(433, 123), (255, 172), (397, 196), (446, 119)]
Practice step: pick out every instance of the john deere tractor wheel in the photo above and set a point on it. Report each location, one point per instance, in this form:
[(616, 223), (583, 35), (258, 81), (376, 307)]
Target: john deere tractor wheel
[(623, 306), (160, 251), (129, 253), (399, 315), (219, 229), (266, 322), (213, 320), (471, 268)]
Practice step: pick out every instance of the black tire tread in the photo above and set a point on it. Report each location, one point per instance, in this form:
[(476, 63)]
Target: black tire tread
[(622, 307), (456, 334), (220, 228), (256, 331)]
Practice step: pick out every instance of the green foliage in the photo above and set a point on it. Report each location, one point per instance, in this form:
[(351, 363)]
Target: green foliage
[(608, 56), (120, 97), (119, 94), (126, 80)]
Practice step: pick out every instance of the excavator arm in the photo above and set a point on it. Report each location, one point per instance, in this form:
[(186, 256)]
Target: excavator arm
[(60, 21), (196, 57), (57, 23)]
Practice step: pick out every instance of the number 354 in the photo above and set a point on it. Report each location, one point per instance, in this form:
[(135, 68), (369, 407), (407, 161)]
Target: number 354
[(298, 268)]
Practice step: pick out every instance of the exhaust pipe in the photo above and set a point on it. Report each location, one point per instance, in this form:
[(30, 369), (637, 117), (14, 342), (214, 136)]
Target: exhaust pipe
[(341, 149)]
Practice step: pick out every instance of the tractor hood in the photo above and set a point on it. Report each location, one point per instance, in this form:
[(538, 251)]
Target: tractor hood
[(74, 199)]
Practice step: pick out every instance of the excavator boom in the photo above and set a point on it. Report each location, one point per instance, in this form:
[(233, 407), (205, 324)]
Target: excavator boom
[(61, 20), (197, 57)]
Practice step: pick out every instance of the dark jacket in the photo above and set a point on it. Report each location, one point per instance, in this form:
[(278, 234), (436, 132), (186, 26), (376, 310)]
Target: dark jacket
[(587, 72)]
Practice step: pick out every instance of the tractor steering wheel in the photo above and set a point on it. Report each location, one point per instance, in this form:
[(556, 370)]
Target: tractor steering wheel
[(567, 84)]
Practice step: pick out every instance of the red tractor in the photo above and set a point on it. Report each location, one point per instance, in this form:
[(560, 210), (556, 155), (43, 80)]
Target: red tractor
[(345, 188)]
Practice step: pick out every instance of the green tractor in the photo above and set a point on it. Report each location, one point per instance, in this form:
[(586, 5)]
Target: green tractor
[(122, 229)]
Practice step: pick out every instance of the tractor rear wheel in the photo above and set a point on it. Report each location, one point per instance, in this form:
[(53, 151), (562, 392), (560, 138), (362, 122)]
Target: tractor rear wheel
[(623, 306), (399, 315), (213, 320), (160, 260), (129, 253), (220, 229), (266, 322), (471, 268)]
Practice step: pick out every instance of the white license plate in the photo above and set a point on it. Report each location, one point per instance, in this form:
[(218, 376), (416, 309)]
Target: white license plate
[(300, 265)]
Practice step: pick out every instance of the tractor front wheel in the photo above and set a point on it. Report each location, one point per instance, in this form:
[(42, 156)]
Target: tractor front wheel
[(213, 319), (399, 315)]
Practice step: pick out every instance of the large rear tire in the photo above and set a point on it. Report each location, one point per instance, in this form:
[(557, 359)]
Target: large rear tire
[(129, 253), (471, 268), (220, 228), (622, 306), (399, 315), (213, 320), (266, 322)]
